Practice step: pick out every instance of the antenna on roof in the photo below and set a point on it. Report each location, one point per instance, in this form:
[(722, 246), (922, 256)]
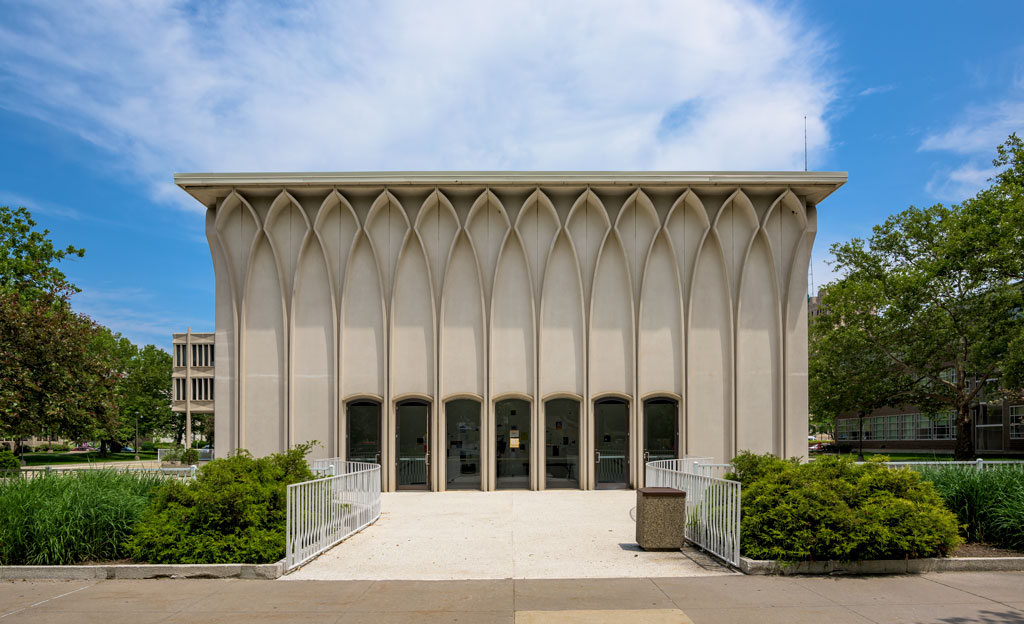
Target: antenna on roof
[(805, 142)]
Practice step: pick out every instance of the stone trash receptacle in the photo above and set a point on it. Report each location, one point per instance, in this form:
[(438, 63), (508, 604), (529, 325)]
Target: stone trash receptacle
[(660, 518)]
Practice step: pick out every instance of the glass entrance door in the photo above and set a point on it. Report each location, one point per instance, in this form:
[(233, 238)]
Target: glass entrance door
[(562, 443), (363, 432), (412, 420), (512, 443), (611, 444), (661, 429), (462, 445)]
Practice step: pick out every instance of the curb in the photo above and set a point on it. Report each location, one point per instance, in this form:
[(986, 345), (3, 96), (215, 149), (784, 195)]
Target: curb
[(767, 567), (143, 571)]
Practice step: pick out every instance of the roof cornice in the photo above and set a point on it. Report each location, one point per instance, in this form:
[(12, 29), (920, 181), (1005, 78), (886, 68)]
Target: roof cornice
[(816, 185)]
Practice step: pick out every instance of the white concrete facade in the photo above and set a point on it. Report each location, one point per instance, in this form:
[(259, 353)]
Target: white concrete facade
[(387, 287)]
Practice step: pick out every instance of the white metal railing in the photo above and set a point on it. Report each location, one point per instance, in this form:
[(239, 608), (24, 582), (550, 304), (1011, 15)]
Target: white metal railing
[(712, 505), (978, 464), (717, 471), (324, 511), (612, 469), (186, 473), (412, 470), (204, 454)]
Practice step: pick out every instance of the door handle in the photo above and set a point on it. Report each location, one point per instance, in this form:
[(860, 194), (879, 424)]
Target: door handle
[(376, 458), (597, 456), (426, 457), (647, 456)]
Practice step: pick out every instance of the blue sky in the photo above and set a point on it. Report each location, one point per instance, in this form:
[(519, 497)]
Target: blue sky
[(100, 103)]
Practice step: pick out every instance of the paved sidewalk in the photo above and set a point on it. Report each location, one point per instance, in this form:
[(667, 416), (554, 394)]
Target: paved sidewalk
[(500, 535), (995, 597)]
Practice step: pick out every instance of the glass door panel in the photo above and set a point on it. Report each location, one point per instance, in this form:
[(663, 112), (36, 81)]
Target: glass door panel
[(512, 438), (413, 422), (462, 445), (661, 429), (562, 443), (611, 433), (363, 432)]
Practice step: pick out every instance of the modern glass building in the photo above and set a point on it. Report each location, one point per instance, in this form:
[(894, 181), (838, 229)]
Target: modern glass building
[(512, 330)]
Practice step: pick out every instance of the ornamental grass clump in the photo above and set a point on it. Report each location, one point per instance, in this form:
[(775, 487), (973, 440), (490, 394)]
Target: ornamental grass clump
[(834, 509), (68, 518), (988, 503), (234, 512)]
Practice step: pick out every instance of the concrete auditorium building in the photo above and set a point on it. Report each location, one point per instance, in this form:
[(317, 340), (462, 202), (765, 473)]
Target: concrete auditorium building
[(530, 330)]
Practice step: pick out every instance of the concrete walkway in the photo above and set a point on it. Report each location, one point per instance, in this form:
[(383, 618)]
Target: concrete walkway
[(501, 535), (996, 597)]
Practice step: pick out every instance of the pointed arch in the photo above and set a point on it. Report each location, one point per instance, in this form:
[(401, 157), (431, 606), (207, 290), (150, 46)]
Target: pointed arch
[(363, 342), (709, 400), (487, 224), (611, 354), (512, 322), (587, 225), (637, 224), (336, 226), (237, 225), (386, 225), (687, 224), (758, 353), (735, 224), (437, 225), (562, 328), (660, 340), (412, 323), (313, 383), (537, 225), (462, 336), (263, 353)]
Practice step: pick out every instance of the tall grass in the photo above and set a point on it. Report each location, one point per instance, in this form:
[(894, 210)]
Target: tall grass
[(69, 518), (989, 503)]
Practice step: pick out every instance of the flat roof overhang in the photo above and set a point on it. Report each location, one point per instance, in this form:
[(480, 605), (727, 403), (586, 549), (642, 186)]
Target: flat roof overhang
[(814, 185)]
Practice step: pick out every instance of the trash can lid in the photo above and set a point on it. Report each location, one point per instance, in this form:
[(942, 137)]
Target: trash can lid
[(661, 491)]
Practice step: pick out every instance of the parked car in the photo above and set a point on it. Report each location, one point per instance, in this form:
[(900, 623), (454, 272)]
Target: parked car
[(82, 447), (127, 449), (822, 447)]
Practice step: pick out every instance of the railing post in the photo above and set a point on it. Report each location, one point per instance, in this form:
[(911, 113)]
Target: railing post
[(979, 463)]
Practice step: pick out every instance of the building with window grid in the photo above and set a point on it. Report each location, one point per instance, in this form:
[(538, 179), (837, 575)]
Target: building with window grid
[(192, 376)]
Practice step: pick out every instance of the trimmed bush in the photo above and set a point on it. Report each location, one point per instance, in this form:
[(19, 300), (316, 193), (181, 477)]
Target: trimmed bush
[(73, 517), (988, 503), (234, 512), (9, 462), (148, 447), (834, 509), (190, 457)]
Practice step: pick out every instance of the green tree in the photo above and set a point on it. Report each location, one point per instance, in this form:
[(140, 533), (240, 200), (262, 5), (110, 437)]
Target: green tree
[(144, 394), (846, 374), (936, 292), (52, 379), (28, 258)]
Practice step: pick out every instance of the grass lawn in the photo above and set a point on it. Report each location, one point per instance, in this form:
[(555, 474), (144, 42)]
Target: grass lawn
[(43, 459)]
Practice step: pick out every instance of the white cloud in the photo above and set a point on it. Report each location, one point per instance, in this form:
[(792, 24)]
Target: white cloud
[(876, 90), (975, 139), (239, 86)]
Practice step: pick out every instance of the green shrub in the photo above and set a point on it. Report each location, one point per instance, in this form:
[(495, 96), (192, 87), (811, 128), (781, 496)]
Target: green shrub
[(172, 455), (190, 457), (9, 462), (68, 518), (234, 512), (148, 447), (988, 503), (834, 509)]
